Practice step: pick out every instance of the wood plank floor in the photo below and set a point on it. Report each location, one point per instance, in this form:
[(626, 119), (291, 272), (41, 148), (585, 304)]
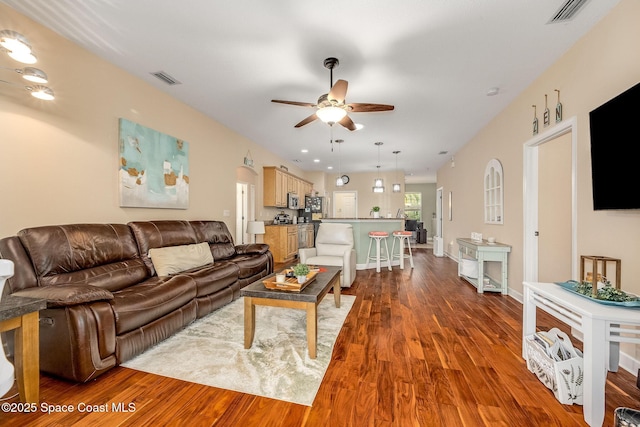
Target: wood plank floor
[(419, 348)]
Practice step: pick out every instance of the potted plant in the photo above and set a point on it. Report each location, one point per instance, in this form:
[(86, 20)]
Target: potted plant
[(301, 271), (376, 211)]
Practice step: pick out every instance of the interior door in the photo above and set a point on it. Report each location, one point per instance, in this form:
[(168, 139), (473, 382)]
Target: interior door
[(554, 210), (345, 204)]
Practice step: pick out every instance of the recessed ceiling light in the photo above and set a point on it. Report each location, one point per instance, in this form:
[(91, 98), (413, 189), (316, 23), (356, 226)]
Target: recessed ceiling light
[(316, 160), (493, 91), (304, 150), (443, 152), (329, 167)]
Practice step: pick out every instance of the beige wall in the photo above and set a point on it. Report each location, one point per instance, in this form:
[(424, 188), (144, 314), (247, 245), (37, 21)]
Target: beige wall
[(60, 158), (604, 63), (362, 183)]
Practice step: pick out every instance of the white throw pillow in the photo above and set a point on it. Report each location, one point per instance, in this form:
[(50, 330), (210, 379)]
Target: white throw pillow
[(174, 259)]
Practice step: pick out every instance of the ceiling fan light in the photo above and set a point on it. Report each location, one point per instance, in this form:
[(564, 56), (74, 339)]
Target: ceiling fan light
[(331, 114)]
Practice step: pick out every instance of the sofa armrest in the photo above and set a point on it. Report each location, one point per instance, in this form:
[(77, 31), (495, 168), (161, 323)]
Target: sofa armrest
[(305, 253), (66, 295), (252, 248)]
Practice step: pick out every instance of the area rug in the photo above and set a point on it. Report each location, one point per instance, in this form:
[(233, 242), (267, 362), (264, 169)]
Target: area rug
[(211, 351)]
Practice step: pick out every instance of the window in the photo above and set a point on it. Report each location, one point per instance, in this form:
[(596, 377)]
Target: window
[(413, 206), (493, 192)]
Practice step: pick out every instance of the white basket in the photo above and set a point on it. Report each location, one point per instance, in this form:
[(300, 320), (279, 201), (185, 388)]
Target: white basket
[(564, 378), (469, 268)]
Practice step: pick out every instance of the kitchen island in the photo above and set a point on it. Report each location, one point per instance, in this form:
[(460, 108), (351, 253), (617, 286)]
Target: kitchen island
[(361, 229)]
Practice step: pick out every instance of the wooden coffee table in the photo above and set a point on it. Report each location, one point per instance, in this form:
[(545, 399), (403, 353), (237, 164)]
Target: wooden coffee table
[(308, 299)]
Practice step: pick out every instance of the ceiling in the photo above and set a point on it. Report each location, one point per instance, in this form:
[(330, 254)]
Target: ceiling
[(434, 60)]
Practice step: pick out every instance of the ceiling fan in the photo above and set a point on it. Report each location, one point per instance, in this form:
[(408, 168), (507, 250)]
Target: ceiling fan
[(331, 107)]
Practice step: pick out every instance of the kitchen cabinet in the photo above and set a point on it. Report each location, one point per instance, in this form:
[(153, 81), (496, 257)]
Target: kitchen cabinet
[(278, 182), (282, 241)]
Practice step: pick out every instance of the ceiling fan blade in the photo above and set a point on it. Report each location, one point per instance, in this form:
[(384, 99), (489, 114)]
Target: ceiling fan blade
[(369, 108), (300, 104), (348, 123), (339, 91), (308, 120)]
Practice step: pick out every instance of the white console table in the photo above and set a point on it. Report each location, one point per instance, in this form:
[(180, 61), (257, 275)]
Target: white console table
[(483, 251), (601, 325)]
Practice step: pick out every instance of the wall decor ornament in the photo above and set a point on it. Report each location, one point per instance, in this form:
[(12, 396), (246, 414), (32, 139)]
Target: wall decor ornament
[(558, 108), (535, 121), (154, 168), (248, 160), (547, 115)]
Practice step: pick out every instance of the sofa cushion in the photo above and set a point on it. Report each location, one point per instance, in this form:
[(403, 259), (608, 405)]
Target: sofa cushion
[(103, 255), (250, 265), (213, 278), (217, 235), (159, 234), (174, 259), (65, 295), (143, 303)]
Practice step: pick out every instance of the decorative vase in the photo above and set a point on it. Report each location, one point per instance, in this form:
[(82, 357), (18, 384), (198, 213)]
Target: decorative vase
[(302, 279), (6, 368), (376, 214)]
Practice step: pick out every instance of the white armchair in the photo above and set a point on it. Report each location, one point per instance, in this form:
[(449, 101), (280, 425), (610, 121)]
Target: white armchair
[(335, 248)]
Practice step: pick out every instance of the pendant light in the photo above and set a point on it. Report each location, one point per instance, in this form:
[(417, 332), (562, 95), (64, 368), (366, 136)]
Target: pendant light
[(396, 187), (339, 180), (378, 184)]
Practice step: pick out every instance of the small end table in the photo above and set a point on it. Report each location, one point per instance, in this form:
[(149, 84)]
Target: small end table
[(21, 315)]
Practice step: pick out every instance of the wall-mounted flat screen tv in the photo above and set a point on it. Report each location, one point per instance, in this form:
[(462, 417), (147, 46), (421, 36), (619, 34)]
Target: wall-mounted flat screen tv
[(615, 152)]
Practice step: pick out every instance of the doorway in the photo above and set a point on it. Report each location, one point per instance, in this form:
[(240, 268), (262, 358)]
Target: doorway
[(345, 204), (533, 199), (245, 211)]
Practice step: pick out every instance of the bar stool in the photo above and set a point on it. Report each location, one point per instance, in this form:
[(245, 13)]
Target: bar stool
[(401, 236), (378, 236)]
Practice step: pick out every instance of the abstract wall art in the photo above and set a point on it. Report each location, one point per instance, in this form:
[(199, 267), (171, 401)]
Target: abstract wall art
[(154, 168)]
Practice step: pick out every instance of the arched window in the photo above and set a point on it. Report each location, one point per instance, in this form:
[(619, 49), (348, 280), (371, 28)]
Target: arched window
[(493, 193)]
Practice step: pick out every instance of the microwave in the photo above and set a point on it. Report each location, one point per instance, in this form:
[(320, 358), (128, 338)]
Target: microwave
[(292, 201)]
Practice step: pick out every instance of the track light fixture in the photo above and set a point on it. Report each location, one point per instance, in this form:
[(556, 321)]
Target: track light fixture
[(18, 47)]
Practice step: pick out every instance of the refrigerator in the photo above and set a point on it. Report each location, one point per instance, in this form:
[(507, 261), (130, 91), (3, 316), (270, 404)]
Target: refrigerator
[(313, 211)]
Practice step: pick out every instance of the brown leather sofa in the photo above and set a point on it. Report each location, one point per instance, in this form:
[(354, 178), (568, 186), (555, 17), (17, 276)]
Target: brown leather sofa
[(105, 302)]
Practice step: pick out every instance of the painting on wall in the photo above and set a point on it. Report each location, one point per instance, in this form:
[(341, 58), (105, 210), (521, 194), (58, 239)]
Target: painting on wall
[(154, 168)]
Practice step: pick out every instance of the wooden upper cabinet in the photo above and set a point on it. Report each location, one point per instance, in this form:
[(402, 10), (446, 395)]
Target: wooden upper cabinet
[(277, 183)]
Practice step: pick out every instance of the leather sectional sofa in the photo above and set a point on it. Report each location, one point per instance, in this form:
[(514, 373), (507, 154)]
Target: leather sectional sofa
[(105, 301)]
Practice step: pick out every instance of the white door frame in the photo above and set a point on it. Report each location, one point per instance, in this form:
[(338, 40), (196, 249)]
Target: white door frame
[(438, 231), (530, 197)]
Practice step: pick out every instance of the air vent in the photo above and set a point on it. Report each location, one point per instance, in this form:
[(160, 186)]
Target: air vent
[(567, 11), (166, 78)]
